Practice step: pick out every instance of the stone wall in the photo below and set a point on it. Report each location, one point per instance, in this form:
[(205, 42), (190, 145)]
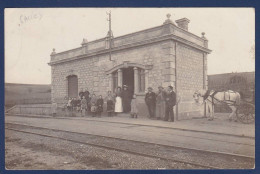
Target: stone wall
[(189, 79), (91, 71)]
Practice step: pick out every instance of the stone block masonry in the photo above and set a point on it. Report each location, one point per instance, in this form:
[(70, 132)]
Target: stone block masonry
[(92, 74), (189, 77)]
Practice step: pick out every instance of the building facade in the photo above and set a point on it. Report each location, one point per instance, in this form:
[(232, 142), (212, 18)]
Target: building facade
[(164, 55)]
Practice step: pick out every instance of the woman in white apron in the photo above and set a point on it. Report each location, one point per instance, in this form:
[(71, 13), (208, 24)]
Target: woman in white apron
[(118, 103)]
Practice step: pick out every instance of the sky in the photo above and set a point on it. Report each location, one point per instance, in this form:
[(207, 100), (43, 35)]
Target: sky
[(32, 33)]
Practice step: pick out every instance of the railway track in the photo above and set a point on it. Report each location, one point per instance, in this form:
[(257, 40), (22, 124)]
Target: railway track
[(124, 123), (241, 161)]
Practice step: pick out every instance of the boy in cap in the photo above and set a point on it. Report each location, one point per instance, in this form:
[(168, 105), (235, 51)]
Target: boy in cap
[(150, 100)]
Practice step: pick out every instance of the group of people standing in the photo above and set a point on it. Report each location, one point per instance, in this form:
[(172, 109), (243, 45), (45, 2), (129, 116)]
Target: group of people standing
[(160, 105), (125, 101), (117, 102), (86, 102)]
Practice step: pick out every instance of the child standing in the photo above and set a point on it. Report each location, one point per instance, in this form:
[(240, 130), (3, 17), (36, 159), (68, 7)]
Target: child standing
[(69, 104), (79, 105), (69, 107), (134, 110), (83, 106), (100, 103), (73, 104), (110, 104), (93, 103)]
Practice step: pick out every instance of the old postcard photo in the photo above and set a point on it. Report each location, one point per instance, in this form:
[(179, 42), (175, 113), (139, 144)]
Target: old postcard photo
[(129, 88)]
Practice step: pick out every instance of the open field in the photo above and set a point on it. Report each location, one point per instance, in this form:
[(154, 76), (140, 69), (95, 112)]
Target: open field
[(26, 94)]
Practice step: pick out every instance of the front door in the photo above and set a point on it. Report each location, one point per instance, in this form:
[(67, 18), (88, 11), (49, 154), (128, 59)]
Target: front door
[(128, 78)]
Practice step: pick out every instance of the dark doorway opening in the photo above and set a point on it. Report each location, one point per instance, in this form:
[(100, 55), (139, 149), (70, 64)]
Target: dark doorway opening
[(72, 86), (128, 79)]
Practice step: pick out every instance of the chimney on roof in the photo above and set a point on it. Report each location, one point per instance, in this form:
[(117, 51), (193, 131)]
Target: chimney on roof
[(183, 23)]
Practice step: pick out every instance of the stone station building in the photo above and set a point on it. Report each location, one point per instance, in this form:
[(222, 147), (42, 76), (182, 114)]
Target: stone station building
[(164, 55)]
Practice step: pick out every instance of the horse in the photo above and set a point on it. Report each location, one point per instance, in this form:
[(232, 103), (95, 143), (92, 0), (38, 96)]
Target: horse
[(212, 98)]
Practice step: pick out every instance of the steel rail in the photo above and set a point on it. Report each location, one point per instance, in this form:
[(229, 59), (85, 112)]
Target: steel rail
[(144, 125), (123, 139), (117, 149), (202, 138)]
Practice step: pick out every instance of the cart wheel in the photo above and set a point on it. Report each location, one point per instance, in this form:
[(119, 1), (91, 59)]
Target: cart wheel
[(246, 113)]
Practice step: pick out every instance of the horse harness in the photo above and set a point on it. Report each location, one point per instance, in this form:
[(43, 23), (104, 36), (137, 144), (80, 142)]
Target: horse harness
[(212, 93)]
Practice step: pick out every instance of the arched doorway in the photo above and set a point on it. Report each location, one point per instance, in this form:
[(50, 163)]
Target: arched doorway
[(72, 86), (133, 75)]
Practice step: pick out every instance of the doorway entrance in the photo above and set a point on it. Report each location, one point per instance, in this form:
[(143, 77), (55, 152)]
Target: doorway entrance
[(72, 86), (128, 79)]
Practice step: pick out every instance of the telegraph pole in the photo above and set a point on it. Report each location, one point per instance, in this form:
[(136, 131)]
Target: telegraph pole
[(110, 34)]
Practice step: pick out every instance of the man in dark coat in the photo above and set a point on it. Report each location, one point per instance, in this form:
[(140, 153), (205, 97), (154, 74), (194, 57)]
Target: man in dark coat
[(126, 99), (170, 102), (150, 100), (86, 94)]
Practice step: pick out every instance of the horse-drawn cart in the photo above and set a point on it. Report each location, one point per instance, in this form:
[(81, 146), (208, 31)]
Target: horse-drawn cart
[(246, 112), (242, 110)]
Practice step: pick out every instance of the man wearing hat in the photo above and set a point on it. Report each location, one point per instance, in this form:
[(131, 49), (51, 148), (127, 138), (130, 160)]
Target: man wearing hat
[(170, 102), (160, 103), (126, 99), (150, 100)]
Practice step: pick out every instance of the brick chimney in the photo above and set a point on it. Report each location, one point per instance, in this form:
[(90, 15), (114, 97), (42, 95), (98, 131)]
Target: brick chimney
[(183, 23)]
